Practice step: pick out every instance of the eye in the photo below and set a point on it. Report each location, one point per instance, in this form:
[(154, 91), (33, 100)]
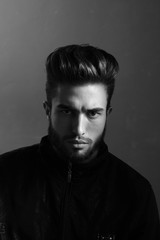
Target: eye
[(66, 111), (93, 114)]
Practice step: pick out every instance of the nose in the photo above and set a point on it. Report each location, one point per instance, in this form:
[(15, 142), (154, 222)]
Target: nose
[(78, 125)]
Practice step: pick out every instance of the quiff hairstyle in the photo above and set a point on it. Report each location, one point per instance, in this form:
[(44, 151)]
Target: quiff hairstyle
[(78, 65)]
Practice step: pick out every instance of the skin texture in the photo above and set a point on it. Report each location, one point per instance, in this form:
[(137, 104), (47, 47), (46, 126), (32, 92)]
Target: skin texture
[(77, 120)]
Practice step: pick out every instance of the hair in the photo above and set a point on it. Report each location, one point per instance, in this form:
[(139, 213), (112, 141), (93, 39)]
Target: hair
[(79, 65)]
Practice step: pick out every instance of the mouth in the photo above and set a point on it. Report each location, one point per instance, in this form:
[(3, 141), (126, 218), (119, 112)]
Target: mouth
[(78, 144)]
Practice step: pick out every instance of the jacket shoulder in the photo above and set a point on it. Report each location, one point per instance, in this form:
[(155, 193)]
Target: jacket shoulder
[(128, 177), (125, 168), (18, 159), (19, 151)]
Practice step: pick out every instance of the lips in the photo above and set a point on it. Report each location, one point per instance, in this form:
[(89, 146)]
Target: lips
[(77, 142)]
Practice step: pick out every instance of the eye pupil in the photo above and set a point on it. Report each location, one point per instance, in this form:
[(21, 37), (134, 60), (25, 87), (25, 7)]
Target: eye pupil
[(67, 111), (92, 113)]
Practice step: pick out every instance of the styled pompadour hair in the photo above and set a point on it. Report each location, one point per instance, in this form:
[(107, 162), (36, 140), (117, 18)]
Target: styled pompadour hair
[(79, 65)]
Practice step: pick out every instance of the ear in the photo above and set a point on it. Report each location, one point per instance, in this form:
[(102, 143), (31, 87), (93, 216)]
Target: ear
[(109, 110), (47, 108)]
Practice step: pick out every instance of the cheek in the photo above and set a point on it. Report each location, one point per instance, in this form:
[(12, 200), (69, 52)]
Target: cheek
[(96, 129), (61, 125)]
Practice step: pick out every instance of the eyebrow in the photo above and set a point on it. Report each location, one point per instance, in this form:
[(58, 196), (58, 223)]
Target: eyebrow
[(97, 109), (64, 106)]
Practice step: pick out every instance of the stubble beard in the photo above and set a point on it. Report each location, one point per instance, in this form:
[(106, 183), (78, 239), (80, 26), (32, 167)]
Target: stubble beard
[(63, 152)]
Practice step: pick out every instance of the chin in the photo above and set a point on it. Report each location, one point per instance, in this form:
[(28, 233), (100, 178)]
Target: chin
[(77, 154), (81, 155)]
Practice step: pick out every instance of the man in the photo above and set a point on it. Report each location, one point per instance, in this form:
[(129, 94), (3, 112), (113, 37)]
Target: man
[(70, 186)]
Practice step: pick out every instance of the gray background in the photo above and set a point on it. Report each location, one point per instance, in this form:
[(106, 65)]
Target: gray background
[(129, 29)]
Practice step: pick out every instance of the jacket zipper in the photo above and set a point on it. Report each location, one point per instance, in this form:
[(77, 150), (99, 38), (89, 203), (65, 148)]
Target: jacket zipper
[(66, 201), (69, 172)]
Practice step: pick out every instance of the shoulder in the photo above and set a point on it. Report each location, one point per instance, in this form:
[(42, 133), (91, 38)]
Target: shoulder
[(126, 189), (127, 179), (124, 170), (19, 152), (18, 158)]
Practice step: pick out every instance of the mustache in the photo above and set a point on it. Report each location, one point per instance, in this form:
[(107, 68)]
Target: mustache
[(78, 139)]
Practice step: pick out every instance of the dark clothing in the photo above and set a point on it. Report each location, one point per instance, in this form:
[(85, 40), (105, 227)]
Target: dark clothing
[(43, 197)]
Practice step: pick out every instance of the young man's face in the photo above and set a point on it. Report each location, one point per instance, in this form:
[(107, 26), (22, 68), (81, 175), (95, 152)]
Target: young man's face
[(77, 120)]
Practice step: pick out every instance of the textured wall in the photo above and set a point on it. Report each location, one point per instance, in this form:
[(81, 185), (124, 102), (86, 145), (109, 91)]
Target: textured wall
[(129, 29)]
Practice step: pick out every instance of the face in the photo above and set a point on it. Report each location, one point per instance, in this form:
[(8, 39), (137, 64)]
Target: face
[(77, 120)]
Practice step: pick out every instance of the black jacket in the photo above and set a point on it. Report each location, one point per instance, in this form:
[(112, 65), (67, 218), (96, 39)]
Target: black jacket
[(43, 197)]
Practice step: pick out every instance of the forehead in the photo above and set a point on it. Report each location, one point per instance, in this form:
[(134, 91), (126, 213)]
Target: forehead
[(88, 95)]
